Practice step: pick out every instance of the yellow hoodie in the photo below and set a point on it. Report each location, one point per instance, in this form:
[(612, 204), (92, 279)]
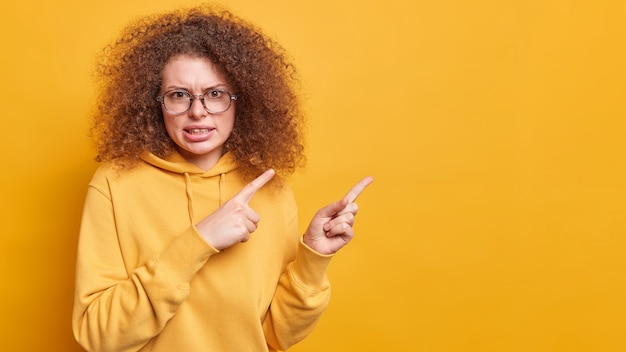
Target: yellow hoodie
[(147, 281)]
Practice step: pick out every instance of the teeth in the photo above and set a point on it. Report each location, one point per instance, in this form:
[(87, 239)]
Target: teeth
[(199, 130)]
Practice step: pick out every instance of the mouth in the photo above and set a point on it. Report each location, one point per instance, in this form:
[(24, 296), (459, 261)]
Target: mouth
[(197, 131)]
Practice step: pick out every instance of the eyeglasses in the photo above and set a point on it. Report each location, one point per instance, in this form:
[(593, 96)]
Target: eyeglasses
[(179, 101)]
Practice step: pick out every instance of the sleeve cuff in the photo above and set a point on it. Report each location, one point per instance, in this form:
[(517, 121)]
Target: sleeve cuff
[(309, 267)]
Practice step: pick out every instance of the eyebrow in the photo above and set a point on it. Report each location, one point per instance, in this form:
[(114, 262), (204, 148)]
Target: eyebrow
[(222, 86)]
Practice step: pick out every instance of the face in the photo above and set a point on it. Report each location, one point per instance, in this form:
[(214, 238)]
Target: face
[(199, 135)]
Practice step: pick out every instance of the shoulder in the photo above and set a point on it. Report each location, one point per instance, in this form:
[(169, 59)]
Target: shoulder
[(109, 173)]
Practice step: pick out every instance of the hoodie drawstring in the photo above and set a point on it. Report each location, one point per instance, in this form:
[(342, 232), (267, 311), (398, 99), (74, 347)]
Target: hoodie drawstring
[(189, 197), (222, 182), (188, 190)]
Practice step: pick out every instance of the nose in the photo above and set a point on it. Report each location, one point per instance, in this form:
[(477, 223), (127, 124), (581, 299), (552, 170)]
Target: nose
[(197, 110)]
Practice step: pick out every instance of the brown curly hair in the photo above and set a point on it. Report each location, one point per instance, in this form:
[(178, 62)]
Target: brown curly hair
[(128, 120)]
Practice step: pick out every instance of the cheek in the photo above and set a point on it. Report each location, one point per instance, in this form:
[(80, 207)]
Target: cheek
[(228, 123), (170, 126)]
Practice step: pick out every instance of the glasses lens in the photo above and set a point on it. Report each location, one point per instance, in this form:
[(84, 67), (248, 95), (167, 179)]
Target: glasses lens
[(216, 101), (177, 101)]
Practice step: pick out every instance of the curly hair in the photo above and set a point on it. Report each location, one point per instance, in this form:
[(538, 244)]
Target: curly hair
[(128, 120)]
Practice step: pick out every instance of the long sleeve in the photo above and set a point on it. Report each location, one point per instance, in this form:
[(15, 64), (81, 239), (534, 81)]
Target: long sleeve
[(302, 294), (117, 309)]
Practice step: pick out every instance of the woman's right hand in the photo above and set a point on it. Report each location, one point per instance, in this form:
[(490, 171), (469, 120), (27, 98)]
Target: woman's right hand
[(234, 221)]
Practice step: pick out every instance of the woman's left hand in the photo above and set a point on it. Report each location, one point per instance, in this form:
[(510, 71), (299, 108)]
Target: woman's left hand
[(331, 227)]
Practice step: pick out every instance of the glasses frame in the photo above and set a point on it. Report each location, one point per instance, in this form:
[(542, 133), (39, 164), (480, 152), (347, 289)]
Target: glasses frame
[(201, 97)]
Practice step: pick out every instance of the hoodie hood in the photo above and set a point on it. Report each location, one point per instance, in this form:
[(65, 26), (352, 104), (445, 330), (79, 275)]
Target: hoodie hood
[(177, 164)]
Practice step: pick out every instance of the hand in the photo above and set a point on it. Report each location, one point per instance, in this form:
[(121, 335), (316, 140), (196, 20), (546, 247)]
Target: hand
[(234, 221), (331, 227)]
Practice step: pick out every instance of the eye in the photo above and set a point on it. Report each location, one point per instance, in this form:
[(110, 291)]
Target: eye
[(214, 94), (177, 95)]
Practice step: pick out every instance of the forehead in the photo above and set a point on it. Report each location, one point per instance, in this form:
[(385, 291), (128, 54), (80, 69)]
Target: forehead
[(192, 71)]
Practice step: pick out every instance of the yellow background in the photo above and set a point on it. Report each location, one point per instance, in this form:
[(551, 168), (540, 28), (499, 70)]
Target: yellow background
[(495, 130)]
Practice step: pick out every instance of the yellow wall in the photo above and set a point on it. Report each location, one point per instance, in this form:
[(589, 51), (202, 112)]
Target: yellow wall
[(495, 129)]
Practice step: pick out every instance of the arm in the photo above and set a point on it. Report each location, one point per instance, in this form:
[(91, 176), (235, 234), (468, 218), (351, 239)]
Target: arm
[(116, 310), (303, 290), (302, 295)]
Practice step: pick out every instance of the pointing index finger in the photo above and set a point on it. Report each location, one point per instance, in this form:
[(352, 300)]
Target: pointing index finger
[(357, 189), (251, 188)]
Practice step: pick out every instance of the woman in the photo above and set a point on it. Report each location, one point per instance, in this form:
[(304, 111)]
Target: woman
[(194, 105)]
